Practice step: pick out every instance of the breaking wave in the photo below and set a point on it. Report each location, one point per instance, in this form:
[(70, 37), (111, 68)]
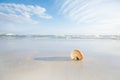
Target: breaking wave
[(113, 37)]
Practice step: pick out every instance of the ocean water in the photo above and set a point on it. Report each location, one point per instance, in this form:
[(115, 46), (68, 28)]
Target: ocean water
[(101, 57), (59, 46)]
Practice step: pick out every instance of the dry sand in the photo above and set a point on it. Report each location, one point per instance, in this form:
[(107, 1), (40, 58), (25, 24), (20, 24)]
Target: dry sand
[(35, 67)]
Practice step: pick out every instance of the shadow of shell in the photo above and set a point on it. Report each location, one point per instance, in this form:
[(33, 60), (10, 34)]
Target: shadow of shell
[(53, 59)]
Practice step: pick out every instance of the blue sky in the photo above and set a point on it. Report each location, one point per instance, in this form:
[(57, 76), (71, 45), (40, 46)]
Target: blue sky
[(60, 16)]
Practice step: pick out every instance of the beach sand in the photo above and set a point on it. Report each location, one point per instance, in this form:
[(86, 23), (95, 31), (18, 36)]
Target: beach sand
[(59, 68), (19, 64)]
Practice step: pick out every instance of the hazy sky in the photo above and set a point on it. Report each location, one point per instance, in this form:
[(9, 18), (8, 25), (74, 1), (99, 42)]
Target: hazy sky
[(60, 16)]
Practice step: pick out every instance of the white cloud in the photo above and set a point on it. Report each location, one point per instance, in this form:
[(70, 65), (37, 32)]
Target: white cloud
[(22, 13), (16, 18), (91, 11)]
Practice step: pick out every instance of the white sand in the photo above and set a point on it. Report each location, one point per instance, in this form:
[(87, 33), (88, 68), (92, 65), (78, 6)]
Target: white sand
[(49, 60), (34, 67)]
